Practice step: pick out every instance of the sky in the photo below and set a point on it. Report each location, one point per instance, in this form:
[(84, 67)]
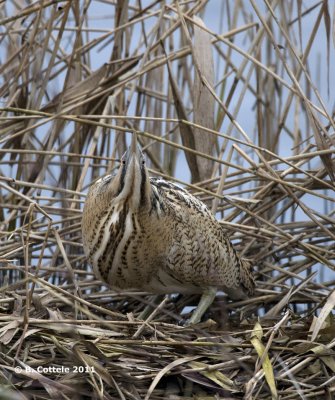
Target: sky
[(101, 18)]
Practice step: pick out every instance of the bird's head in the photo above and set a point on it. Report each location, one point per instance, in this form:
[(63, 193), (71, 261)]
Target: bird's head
[(130, 186)]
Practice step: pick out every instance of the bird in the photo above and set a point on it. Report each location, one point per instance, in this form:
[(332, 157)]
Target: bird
[(147, 233)]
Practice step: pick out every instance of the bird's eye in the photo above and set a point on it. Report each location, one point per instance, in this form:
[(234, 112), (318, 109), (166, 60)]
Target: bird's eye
[(143, 162), (123, 162)]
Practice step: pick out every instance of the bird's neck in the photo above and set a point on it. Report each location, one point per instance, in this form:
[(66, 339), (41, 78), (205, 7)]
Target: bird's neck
[(136, 190)]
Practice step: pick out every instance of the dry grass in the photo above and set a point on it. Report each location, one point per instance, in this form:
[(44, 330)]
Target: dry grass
[(233, 99)]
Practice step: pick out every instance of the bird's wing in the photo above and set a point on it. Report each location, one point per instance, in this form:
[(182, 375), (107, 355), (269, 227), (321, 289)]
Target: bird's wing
[(177, 194)]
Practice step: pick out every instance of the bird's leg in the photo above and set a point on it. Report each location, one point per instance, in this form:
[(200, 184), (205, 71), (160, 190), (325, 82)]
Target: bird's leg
[(206, 300)]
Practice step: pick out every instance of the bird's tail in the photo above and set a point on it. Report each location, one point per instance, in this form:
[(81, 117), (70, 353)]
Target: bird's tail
[(247, 278)]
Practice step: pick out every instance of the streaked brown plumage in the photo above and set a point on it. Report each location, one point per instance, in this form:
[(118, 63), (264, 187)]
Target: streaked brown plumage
[(149, 234)]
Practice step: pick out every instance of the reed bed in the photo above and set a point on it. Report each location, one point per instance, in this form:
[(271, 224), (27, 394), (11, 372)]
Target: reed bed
[(231, 99)]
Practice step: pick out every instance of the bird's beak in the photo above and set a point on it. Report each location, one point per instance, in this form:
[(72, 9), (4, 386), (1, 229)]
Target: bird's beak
[(134, 179), (133, 151), (133, 145)]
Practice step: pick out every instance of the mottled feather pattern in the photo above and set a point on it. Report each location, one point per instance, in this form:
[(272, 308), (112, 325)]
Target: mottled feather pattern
[(174, 244), (177, 194)]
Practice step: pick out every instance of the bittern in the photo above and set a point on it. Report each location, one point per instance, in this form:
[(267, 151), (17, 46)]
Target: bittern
[(149, 234)]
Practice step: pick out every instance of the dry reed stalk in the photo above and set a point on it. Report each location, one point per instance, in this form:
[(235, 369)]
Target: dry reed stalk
[(255, 136)]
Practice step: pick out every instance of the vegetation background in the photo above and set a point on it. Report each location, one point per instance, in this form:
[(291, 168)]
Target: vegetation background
[(232, 99)]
